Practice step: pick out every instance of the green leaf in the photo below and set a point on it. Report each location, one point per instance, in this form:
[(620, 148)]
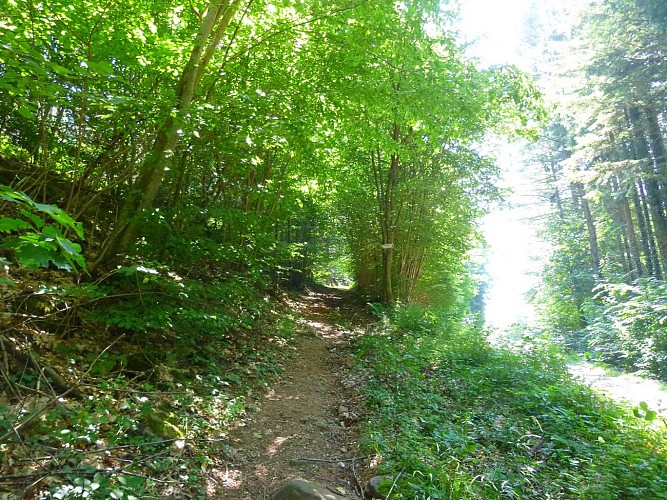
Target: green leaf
[(37, 221), (60, 70), (61, 263), (69, 247), (26, 113), (71, 252), (7, 224), (34, 256), (100, 67), (650, 415), (9, 194), (61, 217)]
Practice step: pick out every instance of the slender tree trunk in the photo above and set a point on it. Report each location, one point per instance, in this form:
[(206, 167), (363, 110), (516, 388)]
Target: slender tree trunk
[(657, 266), (658, 219), (578, 188), (634, 254), (385, 192), (624, 255), (645, 234), (633, 265), (657, 141), (389, 232), (145, 190)]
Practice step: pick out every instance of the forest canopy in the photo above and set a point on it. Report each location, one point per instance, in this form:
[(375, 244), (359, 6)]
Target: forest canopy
[(231, 136)]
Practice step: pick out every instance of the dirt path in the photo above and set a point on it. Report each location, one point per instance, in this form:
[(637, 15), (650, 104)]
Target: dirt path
[(623, 387), (304, 426)]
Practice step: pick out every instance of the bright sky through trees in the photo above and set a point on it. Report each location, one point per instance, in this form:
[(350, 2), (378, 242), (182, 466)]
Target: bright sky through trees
[(495, 30)]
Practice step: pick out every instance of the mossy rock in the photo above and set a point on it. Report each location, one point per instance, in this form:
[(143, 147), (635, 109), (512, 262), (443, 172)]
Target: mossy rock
[(163, 424), (379, 486)]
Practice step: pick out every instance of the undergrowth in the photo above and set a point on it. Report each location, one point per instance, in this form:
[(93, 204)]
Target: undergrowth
[(154, 370), (452, 417)]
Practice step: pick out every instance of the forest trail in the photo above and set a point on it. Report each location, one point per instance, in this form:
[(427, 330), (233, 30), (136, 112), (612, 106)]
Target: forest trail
[(303, 427), (622, 387)]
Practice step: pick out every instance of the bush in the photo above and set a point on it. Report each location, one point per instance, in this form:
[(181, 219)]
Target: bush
[(628, 326)]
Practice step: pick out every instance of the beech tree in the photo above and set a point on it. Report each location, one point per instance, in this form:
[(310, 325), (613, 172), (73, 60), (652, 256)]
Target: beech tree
[(213, 25), (406, 139)]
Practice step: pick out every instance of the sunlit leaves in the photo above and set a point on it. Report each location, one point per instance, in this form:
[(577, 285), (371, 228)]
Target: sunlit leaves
[(37, 243)]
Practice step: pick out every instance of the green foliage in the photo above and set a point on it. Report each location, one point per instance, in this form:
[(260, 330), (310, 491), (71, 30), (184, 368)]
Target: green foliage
[(644, 412), (197, 319), (567, 278), (627, 326), (40, 244), (268, 173), (172, 359), (418, 183), (143, 433), (458, 418)]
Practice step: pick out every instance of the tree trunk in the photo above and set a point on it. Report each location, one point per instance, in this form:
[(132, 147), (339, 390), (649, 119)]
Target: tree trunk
[(631, 235), (145, 190), (646, 237), (653, 194), (590, 227), (387, 286), (634, 253), (659, 154), (650, 235), (385, 191), (624, 255)]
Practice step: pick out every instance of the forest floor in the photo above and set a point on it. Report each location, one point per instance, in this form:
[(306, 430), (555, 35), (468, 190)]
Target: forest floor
[(303, 427), (286, 399), (622, 387)]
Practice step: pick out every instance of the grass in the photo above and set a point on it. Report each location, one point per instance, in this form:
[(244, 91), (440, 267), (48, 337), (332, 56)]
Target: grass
[(458, 418)]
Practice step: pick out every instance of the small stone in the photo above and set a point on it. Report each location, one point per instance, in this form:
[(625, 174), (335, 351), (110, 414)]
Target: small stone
[(343, 411), (323, 425), (298, 489), (229, 452)]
